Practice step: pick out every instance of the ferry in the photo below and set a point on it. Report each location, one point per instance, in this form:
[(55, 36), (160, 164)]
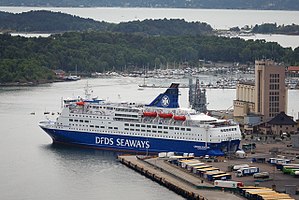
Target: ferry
[(161, 126)]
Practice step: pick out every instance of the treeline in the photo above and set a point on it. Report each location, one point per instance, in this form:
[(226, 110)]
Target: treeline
[(51, 22), (27, 59), (273, 28), (214, 4), (47, 21)]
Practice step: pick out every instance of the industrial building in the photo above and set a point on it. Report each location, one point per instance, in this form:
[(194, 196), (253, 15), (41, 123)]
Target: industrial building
[(260, 101)]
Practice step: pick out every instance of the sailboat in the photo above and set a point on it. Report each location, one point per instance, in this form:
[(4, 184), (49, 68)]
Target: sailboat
[(72, 77)]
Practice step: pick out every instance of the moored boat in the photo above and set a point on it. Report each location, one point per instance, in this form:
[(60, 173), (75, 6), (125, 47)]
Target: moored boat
[(161, 126)]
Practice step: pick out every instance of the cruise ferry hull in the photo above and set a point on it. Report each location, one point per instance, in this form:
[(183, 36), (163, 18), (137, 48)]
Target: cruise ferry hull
[(140, 144)]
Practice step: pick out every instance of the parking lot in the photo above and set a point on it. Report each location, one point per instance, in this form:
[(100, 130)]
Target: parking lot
[(277, 178)]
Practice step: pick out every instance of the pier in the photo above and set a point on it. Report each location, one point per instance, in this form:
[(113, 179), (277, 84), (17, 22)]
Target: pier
[(181, 182)]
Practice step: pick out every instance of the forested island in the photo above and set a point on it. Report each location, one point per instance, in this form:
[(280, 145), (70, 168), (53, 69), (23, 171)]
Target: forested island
[(56, 22), (93, 46), (43, 21), (273, 28), (210, 4)]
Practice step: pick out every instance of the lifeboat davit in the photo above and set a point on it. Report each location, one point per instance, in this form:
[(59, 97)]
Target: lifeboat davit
[(80, 103), (165, 115), (149, 114), (179, 117)]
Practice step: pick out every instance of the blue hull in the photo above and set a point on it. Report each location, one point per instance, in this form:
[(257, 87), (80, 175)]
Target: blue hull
[(140, 144)]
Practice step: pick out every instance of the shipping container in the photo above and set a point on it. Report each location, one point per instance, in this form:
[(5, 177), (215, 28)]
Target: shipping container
[(202, 171), (209, 175), (190, 166), (227, 184), (195, 169), (225, 176)]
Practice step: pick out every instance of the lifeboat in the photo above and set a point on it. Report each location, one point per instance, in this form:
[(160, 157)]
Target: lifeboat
[(80, 103), (179, 117), (149, 114), (165, 115)]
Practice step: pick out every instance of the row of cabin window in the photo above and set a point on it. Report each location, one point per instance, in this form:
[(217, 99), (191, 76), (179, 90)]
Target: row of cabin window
[(228, 130), (89, 116), (125, 115), (93, 126), (165, 132), (142, 130), (77, 120), (159, 127), (117, 109), (126, 110)]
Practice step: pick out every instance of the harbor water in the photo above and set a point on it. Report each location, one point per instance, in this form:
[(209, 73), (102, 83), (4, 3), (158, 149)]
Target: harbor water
[(33, 168)]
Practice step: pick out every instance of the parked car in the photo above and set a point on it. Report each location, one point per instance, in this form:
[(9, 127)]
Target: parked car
[(261, 175)]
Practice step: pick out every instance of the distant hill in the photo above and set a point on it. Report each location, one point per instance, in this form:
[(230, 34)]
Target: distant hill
[(53, 22), (47, 21), (163, 27), (210, 4)]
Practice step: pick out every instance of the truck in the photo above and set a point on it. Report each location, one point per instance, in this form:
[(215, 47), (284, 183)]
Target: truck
[(236, 167), (281, 166), (289, 169), (228, 184), (278, 161), (247, 171)]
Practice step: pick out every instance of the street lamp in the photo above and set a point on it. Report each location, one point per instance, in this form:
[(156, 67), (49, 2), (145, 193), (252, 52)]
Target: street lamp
[(228, 149)]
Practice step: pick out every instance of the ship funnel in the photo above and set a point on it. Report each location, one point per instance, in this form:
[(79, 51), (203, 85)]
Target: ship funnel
[(168, 99)]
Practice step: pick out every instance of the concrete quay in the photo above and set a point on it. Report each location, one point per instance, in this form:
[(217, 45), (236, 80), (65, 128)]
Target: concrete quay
[(173, 178)]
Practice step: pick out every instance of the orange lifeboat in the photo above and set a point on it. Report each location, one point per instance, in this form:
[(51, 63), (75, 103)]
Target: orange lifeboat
[(149, 114), (165, 115), (179, 117), (80, 103)]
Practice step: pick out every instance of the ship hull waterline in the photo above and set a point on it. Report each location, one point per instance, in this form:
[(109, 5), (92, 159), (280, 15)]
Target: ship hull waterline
[(140, 145)]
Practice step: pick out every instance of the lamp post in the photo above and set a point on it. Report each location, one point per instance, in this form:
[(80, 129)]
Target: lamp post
[(228, 149)]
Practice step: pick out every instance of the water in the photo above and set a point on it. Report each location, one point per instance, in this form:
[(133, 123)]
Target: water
[(32, 168), (284, 40), (218, 19)]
